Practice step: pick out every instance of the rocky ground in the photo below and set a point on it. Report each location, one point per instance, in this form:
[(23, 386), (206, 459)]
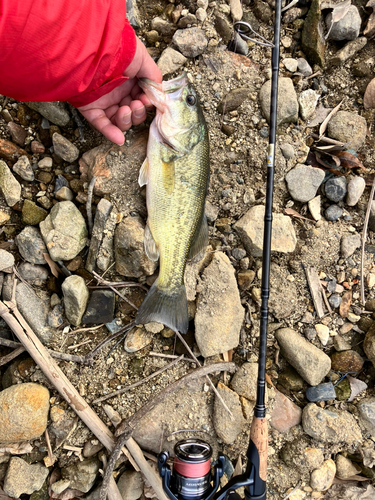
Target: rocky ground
[(321, 342)]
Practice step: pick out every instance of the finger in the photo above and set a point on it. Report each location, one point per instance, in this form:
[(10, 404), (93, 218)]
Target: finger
[(101, 122), (111, 111), (139, 113), (123, 118), (143, 66)]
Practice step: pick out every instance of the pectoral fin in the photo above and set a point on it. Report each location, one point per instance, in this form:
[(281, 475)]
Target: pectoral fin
[(201, 240), (143, 173), (151, 249)]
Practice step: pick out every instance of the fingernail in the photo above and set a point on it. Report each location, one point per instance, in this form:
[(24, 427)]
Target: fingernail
[(127, 119), (138, 113)]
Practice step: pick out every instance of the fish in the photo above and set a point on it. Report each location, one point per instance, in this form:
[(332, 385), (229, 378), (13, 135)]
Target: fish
[(176, 174)]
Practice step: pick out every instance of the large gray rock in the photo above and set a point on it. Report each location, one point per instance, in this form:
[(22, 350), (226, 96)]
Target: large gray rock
[(228, 427), (54, 111), (31, 245), (191, 42), (287, 103), (309, 361), (347, 28), (328, 426), (170, 61), (219, 313), (24, 478), (79, 476), (64, 231), (9, 185), (348, 127), (303, 182), (250, 229), (76, 296)]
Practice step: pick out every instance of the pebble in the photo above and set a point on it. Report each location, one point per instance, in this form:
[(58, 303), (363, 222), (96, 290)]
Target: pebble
[(334, 300), (23, 168), (228, 428), (356, 187), (346, 361), (55, 317), (290, 380), (18, 133), (340, 344), (303, 182), (349, 244), (37, 147), (33, 274), (233, 100), (45, 163), (9, 185), (22, 477), (31, 245), (321, 392), (64, 148), (76, 296), (245, 278), (348, 127), (10, 151), (287, 107), (327, 426), (64, 231), (238, 45), (262, 11), (287, 151), (32, 215), (6, 261), (130, 255), (323, 333), (55, 111), (347, 28), (201, 14), (163, 27), (137, 339), (322, 478), (191, 42), (223, 28), (366, 409), (244, 381), (23, 412), (290, 64), (309, 361), (304, 67), (236, 10), (238, 253), (79, 476), (348, 51), (250, 229), (285, 413), (335, 189), (333, 213), (187, 21), (64, 194), (345, 467), (219, 314), (314, 207), (130, 485), (356, 387), (101, 307), (307, 100)]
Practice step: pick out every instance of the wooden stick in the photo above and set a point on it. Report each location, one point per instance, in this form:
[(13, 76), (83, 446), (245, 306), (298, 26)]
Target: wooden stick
[(315, 290), (12, 355), (364, 236)]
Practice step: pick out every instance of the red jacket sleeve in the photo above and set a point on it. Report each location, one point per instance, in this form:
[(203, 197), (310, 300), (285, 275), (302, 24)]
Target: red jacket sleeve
[(63, 50)]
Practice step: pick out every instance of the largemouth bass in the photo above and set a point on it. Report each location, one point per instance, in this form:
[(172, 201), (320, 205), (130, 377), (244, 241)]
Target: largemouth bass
[(176, 171)]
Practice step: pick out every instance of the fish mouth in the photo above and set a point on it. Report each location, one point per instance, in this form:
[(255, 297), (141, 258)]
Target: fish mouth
[(158, 92)]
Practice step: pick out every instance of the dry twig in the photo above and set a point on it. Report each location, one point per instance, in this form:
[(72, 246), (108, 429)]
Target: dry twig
[(108, 284), (12, 355), (90, 191), (364, 236)]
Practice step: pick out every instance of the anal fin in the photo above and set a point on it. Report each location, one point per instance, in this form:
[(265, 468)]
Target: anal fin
[(201, 240)]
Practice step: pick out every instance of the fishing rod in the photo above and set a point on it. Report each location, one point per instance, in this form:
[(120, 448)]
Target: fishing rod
[(192, 478)]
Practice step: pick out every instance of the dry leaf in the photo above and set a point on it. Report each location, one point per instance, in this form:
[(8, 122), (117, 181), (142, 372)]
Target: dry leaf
[(370, 28), (294, 213), (347, 160), (323, 126), (321, 114), (3, 495), (345, 304), (16, 448), (369, 97), (338, 12), (55, 270)]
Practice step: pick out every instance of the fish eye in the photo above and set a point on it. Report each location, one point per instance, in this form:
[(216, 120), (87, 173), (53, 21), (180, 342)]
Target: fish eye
[(191, 100)]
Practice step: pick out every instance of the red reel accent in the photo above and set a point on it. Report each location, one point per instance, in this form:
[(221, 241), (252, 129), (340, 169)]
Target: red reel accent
[(192, 470)]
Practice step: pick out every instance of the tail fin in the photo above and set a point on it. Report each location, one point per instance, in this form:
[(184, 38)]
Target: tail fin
[(169, 309)]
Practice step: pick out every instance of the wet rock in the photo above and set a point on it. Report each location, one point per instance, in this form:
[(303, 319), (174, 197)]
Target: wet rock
[(250, 230), (330, 426), (18, 133), (55, 112), (285, 413), (335, 189), (333, 213), (345, 467), (348, 51), (76, 295), (31, 245), (130, 485), (23, 412), (64, 148), (6, 261), (309, 361), (219, 313), (64, 231), (321, 479), (366, 410), (101, 307), (130, 255), (303, 182), (356, 187), (244, 381), (227, 427), (24, 478), (33, 274), (23, 168), (287, 103), (347, 361), (313, 42), (290, 64), (307, 101), (79, 476), (103, 211), (137, 339), (349, 244), (233, 100), (9, 185), (349, 128), (170, 61), (32, 215), (191, 42), (347, 28), (321, 392)]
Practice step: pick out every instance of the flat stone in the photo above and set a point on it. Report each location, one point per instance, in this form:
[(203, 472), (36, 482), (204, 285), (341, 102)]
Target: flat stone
[(45, 163), (348, 51), (10, 151), (336, 426), (170, 61), (356, 387), (287, 151), (165, 28), (366, 409), (219, 315), (191, 42), (290, 64), (250, 229), (349, 244), (226, 427), (37, 147), (287, 103), (137, 339), (356, 187), (23, 412), (303, 182), (314, 207), (32, 215), (23, 168), (304, 67), (233, 100), (33, 274), (130, 485), (6, 261), (64, 231), (309, 361), (31, 245), (285, 413), (244, 381), (101, 307), (55, 111), (64, 148), (348, 127), (18, 133), (223, 28), (76, 296), (321, 479), (23, 478), (9, 185), (322, 332), (321, 392), (64, 194), (103, 211)]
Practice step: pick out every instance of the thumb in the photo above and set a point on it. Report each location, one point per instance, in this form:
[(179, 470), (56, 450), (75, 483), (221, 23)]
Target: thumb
[(142, 65)]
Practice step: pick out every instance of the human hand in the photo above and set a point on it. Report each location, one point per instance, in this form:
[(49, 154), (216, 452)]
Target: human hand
[(125, 105)]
